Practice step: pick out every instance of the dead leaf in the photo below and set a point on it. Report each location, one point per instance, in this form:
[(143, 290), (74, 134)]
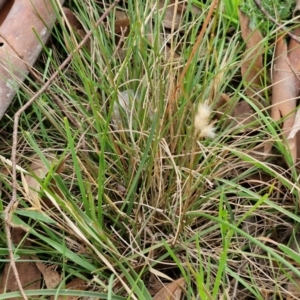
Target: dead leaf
[(31, 184), (171, 291), (241, 115), (154, 286), (294, 57), (73, 20), (252, 63), (51, 277), (172, 16), (296, 126), (74, 25), (293, 288), (19, 45), (75, 284), (122, 23), (284, 93), (29, 274)]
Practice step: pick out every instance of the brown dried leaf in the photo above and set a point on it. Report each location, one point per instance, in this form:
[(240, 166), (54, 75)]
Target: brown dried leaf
[(296, 126), (75, 284), (242, 114), (122, 23), (171, 291), (252, 63), (73, 20), (154, 286), (172, 16), (294, 57), (51, 277), (74, 26), (31, 185), (284, 93), (29, 274), (293, 288)]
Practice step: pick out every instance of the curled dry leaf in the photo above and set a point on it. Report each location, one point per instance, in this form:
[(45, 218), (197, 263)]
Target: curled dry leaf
[(21, 21), (171, 291), (252, 63)]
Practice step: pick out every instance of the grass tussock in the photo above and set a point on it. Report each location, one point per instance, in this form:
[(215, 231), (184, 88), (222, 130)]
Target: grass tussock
[(137, 194)]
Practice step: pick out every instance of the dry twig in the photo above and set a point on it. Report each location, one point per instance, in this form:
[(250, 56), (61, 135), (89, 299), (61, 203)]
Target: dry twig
[(8, 209)]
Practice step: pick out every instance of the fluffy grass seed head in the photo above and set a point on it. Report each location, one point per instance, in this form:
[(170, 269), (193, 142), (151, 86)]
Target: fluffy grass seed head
[(201, 121)]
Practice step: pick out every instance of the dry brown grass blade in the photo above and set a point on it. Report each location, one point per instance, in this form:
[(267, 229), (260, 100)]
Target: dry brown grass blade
[(284, 93), (252, 63)]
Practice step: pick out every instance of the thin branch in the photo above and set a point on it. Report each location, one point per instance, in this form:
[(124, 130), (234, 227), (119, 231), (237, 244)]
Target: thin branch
[(278, 24), (8, 209)]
